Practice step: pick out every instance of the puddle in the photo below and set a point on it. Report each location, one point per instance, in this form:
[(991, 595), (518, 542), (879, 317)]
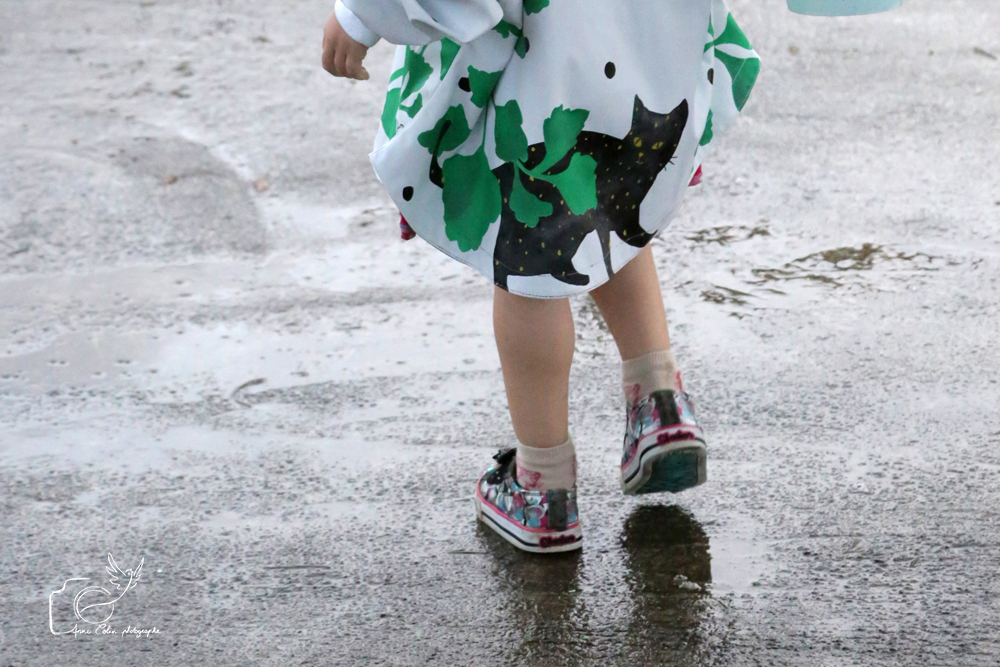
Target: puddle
[(189, 361), (865, 268), (667, 546), (727, 234), (847, 259), (738, 564), (726, 295), (838, 267), (825, 266)]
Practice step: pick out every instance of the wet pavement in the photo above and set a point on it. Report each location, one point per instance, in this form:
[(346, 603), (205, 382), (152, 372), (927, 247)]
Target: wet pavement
[(217, 358)]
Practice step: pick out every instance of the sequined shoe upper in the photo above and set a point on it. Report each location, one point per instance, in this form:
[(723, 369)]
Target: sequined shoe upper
[(659, 411), (553, 510)]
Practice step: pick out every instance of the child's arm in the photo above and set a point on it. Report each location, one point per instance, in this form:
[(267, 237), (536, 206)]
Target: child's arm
[(358, 24)]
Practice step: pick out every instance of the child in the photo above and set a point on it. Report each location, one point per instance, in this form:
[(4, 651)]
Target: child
[(545, 143)]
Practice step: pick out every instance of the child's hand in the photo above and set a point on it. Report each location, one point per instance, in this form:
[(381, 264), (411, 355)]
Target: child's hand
[(342, 55)]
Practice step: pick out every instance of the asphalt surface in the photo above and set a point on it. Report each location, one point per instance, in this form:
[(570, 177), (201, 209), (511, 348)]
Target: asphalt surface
[(217, 358)]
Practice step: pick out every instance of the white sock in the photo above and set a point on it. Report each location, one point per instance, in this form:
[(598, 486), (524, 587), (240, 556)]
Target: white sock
[(545, 468), (650, 372)]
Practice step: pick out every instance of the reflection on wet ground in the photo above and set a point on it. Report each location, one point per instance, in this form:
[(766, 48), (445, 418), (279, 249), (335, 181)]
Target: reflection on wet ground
[(720, 294), (540, 601), (866, 266), (668, 568), (727, 234), (824, 266), (664, 601)]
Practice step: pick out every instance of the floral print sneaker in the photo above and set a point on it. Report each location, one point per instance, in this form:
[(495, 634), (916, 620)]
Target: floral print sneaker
[(664, 448), (532, 520)]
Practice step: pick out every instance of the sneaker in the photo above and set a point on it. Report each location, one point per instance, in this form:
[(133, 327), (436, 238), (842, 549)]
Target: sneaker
[(664, 448), (537, 521)]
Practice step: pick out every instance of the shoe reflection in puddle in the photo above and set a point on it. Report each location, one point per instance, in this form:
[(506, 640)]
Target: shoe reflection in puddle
[(537, 599), (658, 617), (668, 568)]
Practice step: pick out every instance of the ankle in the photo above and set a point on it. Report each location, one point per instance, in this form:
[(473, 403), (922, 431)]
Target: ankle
[(650, 372), (547, 468)]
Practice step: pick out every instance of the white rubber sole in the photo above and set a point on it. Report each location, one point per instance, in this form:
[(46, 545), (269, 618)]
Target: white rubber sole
[(536, 542), (673, 466)]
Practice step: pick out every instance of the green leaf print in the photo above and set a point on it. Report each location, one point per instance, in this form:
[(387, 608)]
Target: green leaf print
[(578, 184), (742, 70), (507, 29), (535, 6), (417, 71), (449, 133), (414, 72), (449, 50), (744, 73), (521, 46), (707, 136), (471, 199), (389, 112), (733, 35), (511, 143), (560, 131), (471, 191), (414, 108), (482, 85), (527, 208)]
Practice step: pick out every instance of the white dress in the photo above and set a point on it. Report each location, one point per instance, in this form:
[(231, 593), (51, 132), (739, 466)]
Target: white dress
[(545, 142)]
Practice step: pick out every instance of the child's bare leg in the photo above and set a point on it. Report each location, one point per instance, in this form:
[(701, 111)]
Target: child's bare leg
[(664, 448), (535, 338), (529, 496), (632, 306)]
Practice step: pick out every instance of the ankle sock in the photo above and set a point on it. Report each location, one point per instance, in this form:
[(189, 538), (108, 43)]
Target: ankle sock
[(545, 468), (650, 372)]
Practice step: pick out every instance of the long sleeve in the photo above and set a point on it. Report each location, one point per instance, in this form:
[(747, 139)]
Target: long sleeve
[(353, 26), (425, 21)]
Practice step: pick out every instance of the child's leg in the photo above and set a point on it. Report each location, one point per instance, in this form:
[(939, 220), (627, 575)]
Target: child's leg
[(529, 496), (632, 306), (664, 448), (535, 338)]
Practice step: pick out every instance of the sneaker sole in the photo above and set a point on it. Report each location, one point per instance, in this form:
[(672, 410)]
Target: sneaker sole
[(526, 540), (672, 467)]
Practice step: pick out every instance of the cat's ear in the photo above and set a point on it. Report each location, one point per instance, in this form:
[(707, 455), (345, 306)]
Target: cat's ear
[(639, 110), (680, 114)]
